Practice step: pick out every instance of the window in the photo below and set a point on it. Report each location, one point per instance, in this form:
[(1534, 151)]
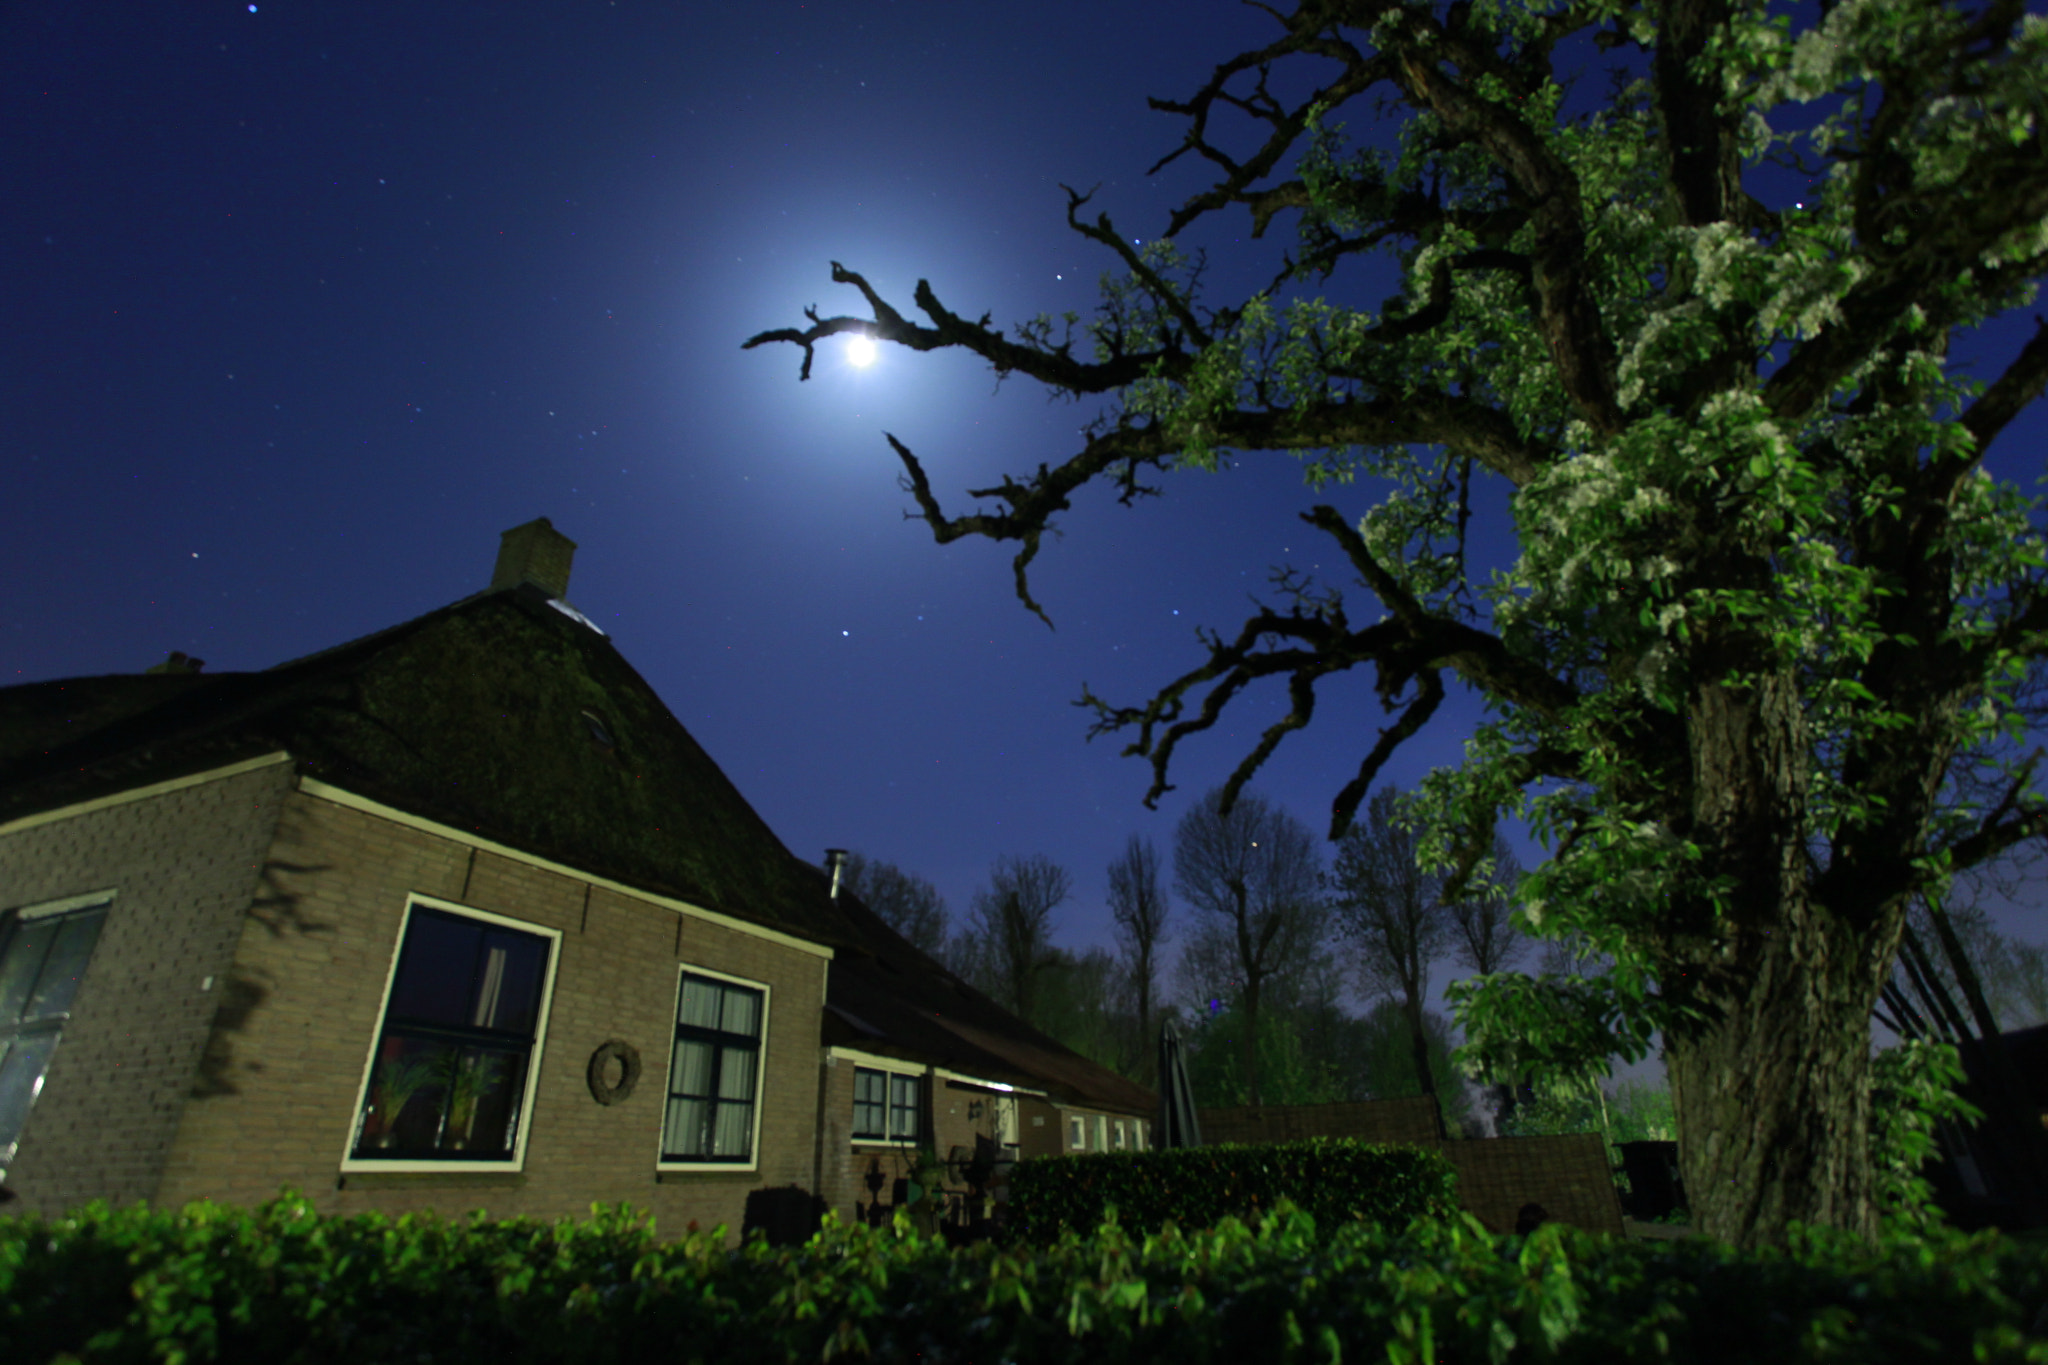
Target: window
[(43, 952), (714, 1074), (1119, 1135), (884, 1106), (452, 1071), (1101, 1133), (1076, 1134)]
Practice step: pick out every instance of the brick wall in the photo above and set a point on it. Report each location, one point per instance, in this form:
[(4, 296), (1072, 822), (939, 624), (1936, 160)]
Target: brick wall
[(188, 869), (1405, 1120), (1568, 1175), (315, 972)]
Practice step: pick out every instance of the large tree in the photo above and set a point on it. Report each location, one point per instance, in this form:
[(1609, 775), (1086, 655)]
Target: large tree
[(1392, 910), (1006, 946), (1709, 333), (910, 905), (1485, 940), (1138, 906), (1253, 867)]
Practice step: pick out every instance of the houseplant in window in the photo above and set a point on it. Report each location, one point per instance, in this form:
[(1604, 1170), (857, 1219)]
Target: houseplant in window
[(468, 1077), (398, 1080)]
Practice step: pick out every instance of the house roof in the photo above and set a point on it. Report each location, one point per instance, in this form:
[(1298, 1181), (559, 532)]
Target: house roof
[(895, 1000), (478, 716)]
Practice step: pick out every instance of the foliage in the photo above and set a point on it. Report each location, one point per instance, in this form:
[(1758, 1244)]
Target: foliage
[(1333, 1179), (1290, 1069), (1387, 1060), (282, 1283), (1915, 1090), (1254, 869), (1755, 668)]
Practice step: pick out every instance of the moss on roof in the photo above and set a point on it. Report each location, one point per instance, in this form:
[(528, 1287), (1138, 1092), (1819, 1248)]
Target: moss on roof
[(479, 716), (474, 716)]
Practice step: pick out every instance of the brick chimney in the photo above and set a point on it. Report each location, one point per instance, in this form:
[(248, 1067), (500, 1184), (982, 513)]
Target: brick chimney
[(535, 553)]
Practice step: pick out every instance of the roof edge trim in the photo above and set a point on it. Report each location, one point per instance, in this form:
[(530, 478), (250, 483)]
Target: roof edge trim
[(341, 796), (122, 798)]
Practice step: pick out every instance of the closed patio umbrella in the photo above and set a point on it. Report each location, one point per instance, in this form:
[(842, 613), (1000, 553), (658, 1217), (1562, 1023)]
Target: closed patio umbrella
[(1177, 1126)]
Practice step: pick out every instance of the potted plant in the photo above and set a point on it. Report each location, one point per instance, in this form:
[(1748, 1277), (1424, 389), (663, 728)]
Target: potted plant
[(398, 1080), (467, 1079)]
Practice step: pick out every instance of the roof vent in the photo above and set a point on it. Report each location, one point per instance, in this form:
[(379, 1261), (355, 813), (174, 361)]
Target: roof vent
[(835, 863), (535, 553), (179, 662)]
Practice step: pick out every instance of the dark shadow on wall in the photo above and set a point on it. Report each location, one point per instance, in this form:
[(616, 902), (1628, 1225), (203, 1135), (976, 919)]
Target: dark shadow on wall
[(240, 997), (276, 906)]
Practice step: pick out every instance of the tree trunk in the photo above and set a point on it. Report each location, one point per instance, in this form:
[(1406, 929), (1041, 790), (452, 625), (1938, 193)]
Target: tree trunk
[(1773, 1096), (1419, 1040), (1251, 1041)]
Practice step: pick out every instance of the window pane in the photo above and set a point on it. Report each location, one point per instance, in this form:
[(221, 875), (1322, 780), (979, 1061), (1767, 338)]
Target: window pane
[(684, 1134), (515, 967), (64, 967), (22, 1063), (735, 1127), (699, 1007), (690, 1072), (867, 1086), (742, 1011), (27, 944), (736, 1074), (436, 970)]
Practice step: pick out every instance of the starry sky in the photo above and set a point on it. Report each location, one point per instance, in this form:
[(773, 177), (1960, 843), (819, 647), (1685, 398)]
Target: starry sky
[(309, 301)]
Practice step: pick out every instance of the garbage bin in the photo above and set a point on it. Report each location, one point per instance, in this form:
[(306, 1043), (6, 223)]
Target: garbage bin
[(788, 1214), (1655, 1188)]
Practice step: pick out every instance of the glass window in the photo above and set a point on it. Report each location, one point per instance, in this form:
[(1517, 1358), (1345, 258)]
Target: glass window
[(870, 1103), (1101, 1133), (42, 960), (1076, 1134), (714, 1073), (903, 1108), (1119, 1135), (457, 1041)]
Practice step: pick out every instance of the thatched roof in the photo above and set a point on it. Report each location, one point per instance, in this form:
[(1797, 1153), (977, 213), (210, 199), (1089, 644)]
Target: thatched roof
[(479, 716)]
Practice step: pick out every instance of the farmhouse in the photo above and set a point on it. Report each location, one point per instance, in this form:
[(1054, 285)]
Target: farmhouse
[(458, 915)]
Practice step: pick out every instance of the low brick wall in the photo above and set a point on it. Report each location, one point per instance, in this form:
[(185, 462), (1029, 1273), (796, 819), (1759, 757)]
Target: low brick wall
[(1568, 1175), (1410, 1120)]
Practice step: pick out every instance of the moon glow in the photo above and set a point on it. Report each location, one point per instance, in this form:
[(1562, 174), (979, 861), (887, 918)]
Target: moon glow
[(860, 352)]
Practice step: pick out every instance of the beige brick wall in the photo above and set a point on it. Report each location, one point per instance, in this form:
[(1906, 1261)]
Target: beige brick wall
[(189, 871), (296, 1059)]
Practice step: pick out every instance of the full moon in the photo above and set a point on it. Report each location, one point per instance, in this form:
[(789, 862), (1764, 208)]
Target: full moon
[(860, 352)]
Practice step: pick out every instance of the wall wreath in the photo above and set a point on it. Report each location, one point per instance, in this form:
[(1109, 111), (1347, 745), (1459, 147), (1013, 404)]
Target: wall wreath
[(601, 1087)]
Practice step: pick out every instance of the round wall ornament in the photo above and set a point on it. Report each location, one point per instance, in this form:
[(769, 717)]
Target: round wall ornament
[(603, 1088)]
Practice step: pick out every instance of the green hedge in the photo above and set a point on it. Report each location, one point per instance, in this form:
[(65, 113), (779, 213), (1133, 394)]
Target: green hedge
[(282, 1284), (1331, 1179)]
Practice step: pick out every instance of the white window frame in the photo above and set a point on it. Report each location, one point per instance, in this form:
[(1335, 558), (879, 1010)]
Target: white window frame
[(890, 1075), (44, 910), (1119, 1135), (753, 1161), (1101, 1132), (349, 1161), (1077, 1133)]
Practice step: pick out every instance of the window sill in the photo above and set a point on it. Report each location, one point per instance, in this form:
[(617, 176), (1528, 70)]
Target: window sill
[(466, 1177), (669, 1174), (354, 1166)]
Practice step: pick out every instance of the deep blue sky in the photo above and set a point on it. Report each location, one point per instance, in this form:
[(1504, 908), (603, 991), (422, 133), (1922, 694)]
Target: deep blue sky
[(308, 301)]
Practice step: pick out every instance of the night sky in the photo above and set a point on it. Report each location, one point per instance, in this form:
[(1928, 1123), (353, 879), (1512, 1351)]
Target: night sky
[(308, 301)]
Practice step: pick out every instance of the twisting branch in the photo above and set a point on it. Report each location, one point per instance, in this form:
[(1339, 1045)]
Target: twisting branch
[(1055, 367), (1412, 647)]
